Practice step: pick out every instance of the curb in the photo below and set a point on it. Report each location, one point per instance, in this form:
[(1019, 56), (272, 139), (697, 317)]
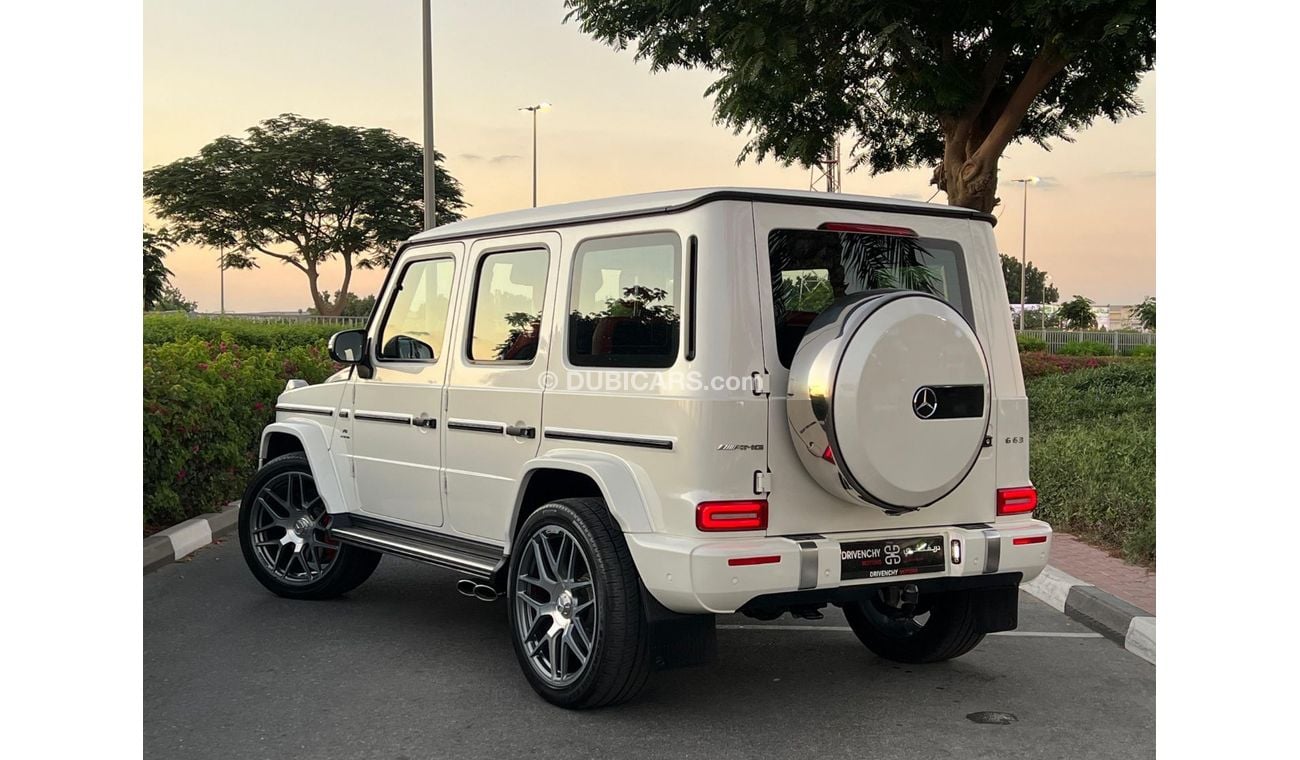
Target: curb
[(181, 540), (1125, 624)]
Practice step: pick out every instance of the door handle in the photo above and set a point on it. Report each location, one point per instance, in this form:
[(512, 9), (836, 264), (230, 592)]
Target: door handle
[(425, 421), (521, 431)]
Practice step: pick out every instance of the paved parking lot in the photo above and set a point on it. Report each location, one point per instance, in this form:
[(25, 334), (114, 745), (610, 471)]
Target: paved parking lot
[(407, 668)]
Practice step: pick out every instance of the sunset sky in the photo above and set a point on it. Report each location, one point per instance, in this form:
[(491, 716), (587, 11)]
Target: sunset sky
[(216, 68)]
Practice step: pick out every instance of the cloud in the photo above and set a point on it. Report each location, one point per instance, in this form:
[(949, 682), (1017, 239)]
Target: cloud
[(1043, 182), (497, 159), (1129, 174)]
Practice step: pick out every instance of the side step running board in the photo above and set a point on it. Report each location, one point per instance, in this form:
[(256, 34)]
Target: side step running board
[(471, 558)]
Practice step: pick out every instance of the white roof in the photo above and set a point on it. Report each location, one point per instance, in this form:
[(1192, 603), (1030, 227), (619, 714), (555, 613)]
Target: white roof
[(665, 201)]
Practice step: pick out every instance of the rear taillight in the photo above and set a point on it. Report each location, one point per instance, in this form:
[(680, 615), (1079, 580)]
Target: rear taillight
[(731, 515), (1017, 501), (868, 229)]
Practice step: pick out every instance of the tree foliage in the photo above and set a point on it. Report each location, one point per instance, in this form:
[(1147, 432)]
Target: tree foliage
[(1076, 314), (942, 83), (157, 244), (1146, 313), (303, 192), (172, 299), (1035, 281), (353, 306)]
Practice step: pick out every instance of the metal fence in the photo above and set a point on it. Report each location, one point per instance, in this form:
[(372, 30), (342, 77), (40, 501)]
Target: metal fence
[(1119, 342), (310, 319)]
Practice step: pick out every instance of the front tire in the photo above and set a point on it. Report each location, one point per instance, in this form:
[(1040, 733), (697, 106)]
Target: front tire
[(284, 535), (576, 618), (940, 628)]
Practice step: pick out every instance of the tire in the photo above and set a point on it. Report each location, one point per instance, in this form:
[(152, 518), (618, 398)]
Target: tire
[(951, 630), (617, 646), (306, 565)]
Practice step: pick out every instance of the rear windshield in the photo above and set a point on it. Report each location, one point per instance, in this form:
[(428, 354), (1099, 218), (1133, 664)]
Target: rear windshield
[(812, 268)]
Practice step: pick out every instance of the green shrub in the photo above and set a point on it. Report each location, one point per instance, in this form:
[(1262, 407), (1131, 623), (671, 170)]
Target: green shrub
[(169, 328), (1029, 343), (1146, 351), (205, 404), (1092, 456), (1085, 348)]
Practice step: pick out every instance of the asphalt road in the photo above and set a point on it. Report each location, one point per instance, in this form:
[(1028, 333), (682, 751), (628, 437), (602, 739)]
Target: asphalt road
[(405, 667)]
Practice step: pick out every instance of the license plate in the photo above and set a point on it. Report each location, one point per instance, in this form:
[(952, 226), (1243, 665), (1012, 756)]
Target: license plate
[(891, 557)]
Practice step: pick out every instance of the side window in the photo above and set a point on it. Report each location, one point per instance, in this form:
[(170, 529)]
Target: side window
[(416, 322), (625, 302), (508, 299)]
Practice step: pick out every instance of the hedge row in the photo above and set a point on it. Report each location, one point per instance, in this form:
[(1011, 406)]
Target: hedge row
[(205, 404), (168, 328), (1093, 455)]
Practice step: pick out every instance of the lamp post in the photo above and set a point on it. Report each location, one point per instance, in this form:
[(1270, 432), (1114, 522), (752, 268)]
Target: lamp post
[(1024, 230), (535, 108), (430, 193), (1047, 283)]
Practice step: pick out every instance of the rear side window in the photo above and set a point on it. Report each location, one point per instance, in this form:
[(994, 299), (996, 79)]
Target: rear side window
[(417, 319), (507, 316), (812, 268), (625, 302)]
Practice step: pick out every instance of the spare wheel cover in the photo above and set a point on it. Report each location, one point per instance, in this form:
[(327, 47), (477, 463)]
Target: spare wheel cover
[(908, 405)]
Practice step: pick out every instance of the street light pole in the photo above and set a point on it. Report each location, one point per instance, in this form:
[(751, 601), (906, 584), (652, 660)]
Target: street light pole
[(535, 108), (1024, 232), (430, 193)]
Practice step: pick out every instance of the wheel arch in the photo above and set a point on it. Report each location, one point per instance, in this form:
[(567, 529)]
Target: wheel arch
[(565, 473), (312, 441)]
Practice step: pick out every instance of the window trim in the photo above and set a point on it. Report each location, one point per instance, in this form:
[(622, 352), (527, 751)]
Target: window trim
[(472, 312), (574, 258), (392, 301)]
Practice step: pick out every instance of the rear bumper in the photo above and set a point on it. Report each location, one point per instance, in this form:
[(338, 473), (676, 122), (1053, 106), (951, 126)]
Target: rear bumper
[(692, 575)]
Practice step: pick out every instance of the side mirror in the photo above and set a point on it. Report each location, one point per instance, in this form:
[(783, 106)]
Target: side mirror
[(348, 346)]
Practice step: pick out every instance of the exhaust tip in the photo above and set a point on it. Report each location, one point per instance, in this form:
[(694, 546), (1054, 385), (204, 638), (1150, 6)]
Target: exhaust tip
[(466, 587), (485, 593)]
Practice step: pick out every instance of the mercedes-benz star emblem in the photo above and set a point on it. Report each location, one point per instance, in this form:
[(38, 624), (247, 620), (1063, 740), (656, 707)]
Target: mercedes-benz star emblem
[(925, 402)]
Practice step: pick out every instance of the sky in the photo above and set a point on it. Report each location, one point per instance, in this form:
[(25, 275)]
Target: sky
[(216, 68)]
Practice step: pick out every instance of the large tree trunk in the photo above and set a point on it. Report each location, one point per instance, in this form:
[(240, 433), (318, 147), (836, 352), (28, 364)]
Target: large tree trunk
[(323, 308), (971, 185)]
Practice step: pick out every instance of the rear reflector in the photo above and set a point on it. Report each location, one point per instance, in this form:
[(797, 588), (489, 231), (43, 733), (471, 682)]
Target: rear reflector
[(829, 455), (731, 515), (1017, 501), (764, 560), (1023, 540), (868, 229)]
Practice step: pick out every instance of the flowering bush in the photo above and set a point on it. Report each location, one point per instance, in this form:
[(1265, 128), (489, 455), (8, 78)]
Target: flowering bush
[(205, 404), (1040, 364)]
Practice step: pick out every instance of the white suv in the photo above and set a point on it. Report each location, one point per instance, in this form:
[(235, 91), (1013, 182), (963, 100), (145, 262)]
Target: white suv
[(626, 416)]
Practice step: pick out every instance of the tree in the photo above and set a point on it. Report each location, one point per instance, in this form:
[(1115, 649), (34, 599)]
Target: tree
[(1146, 313), (302, 191), (1076, 314), (1034, 282), (939, 83), (352, 305), (157, 244), (1036, 319), (171, 299)]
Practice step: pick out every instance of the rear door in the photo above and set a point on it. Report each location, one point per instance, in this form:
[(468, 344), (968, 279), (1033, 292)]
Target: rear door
[(805, 262), (396, 446), (494, 397)]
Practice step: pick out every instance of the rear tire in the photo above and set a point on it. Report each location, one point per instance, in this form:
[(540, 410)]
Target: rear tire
[(577, 625), (946, 627), (284, 536)]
